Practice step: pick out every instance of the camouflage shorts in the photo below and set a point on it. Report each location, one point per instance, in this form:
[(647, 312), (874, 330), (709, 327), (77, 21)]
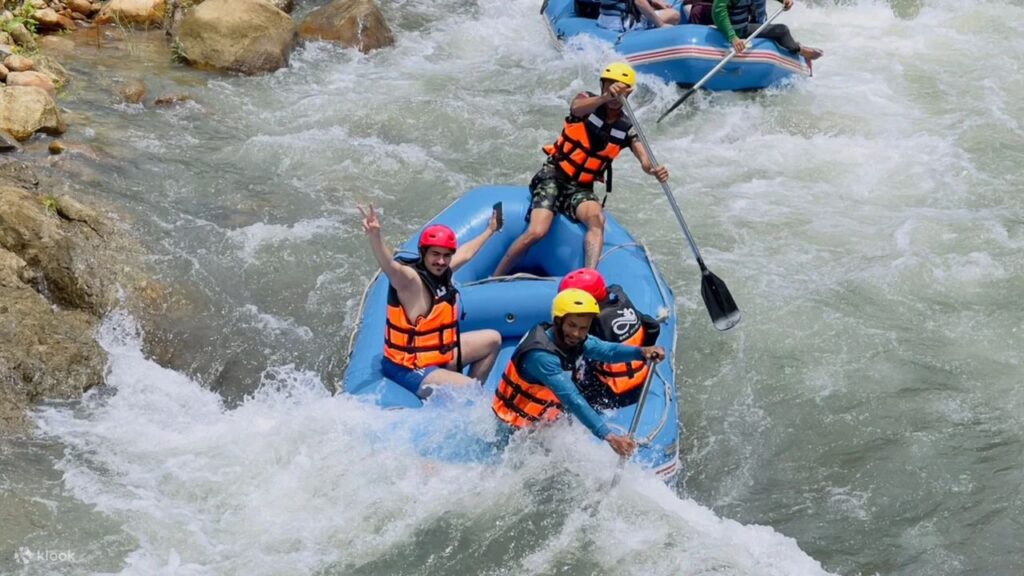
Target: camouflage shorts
[(550, 193)]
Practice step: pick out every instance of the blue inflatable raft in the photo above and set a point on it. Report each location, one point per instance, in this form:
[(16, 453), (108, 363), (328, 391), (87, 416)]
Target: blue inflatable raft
[(682, 54), (514, 304)]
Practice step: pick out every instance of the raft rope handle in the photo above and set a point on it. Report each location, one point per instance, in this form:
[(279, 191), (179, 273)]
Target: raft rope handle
[(355, 330), (663, 316), (509, 278), (664, 412)]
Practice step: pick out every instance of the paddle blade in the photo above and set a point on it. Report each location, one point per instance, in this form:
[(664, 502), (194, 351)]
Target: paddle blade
[(721, 307)]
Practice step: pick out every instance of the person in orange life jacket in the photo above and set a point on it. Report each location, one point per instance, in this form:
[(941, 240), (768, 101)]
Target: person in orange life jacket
[(613, 385), (593, 134), (536, 386), (422, 343)]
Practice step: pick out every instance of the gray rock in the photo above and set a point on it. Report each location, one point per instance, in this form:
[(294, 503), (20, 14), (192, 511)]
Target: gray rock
[(62, 266), (246, 36)]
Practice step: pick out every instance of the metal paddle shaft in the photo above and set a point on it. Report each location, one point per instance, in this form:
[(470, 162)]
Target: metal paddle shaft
[(728, 57), (636, 420), (717, 299)]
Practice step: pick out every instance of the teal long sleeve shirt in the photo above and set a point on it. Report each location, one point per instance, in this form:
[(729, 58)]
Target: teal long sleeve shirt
[(546, 368)]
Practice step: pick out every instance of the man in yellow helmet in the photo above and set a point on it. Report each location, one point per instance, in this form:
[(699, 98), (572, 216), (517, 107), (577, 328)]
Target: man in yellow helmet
[(536, 385), (592, 136)]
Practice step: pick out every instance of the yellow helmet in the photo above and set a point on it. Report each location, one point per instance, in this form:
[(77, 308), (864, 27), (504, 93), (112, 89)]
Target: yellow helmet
[(573, 301), (620, 72)]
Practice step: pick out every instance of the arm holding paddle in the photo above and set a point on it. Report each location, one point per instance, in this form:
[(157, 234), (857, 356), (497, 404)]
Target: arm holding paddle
[(547, 368), (648, 166), (583, 104), (738, 45), (631, 435), (720, 14)]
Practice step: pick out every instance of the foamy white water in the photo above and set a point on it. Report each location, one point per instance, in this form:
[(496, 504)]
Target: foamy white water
[(297, 481)]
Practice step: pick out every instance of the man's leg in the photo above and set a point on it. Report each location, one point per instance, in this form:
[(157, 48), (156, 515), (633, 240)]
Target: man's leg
[(544, 194), (414, 380), (442, 376), (669, 16), (540, 223), (590, 214), (480, 351), (780, 34)]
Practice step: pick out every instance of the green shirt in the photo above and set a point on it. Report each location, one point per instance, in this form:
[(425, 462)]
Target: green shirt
[(720, 14)]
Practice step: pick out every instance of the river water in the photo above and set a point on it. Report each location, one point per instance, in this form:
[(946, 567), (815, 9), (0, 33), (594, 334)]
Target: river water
[(867, 416)]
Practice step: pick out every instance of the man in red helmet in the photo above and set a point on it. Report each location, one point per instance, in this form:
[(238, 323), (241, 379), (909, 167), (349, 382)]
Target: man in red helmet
[(422, 342), (606, 384)]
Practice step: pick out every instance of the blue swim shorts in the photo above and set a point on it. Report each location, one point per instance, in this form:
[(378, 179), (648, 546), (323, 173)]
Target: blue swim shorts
[(405, 377)]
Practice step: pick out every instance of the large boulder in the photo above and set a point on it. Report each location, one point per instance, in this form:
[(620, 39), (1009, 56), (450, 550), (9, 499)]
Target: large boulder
[(45, 351), (22, 37), (247, 36), (63, 266), (133, 12), (49, 20), (354, 23), (17, 63), (283, 5), (25, 110), (33, 79), (83, 7)]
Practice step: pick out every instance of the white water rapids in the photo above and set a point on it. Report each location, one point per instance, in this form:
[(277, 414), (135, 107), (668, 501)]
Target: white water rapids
[(866, 417)]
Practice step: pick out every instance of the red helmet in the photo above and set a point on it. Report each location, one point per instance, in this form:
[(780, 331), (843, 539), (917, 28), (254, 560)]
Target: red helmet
[(586, 279), (438, 235)]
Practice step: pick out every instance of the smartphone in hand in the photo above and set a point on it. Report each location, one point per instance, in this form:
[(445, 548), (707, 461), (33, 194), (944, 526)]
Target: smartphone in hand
[(498, 215)]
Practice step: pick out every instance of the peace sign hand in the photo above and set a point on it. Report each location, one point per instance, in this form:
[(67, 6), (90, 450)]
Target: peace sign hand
[(370, 223)]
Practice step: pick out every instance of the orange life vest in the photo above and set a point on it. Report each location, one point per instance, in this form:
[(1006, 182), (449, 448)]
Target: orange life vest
[(433, 339), (578, 153), (619, 321), (519, 402)]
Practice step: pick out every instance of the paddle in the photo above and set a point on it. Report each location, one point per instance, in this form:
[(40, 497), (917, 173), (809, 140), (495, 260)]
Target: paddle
[(636, 421), (722, 308), (728, 57)]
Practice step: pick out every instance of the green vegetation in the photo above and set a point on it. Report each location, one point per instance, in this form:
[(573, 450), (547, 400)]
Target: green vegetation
[(50, 204)]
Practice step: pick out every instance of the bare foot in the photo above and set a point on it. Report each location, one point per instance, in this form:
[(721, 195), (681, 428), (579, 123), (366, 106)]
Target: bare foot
[(811, 53)]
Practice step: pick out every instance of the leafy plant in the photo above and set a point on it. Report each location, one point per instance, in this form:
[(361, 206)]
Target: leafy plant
[(50, 204), (178, 55)]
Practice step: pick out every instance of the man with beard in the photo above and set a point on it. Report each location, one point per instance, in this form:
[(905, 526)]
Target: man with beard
[(536, 385), (605, 384), (422, 342)]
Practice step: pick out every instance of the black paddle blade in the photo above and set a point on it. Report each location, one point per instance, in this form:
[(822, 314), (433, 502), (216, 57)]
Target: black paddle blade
[(677, 103), (721, 307)]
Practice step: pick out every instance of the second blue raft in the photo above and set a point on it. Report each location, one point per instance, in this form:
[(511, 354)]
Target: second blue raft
[(682, 54)]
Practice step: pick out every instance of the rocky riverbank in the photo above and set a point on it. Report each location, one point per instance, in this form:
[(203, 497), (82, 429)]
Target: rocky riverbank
[(63, 265), (66, 261)]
